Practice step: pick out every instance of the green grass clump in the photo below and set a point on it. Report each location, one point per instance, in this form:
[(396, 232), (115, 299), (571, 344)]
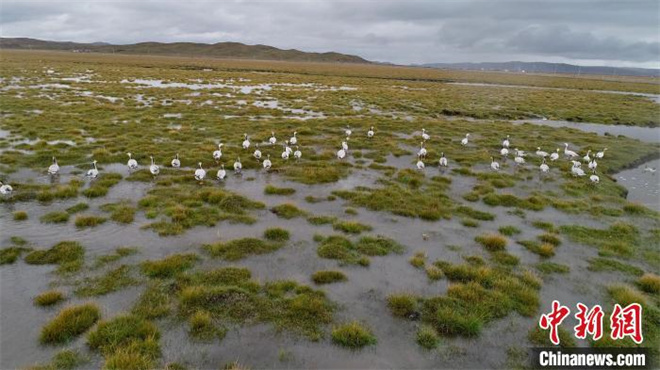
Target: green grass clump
[(340, 248), (328, 277), (427, 337), (351, 211), (287, 211), (544, 250), (509, 230), (111, 281), (169, 266), (541, 338), (77, 208), (68, 359), (402, 305), (418, 260), (550, 239), (100, 187), (475, 214), (619, 236), (201, 326), (125, 334), (353, 335), (434, 273), (504, 258), (155, 301), (83, 221), (625, 295), (68, 255), (649, 283), (49, 298), (350, 227), (468, 222), (637, 209), (273, 190), (607, 264), (56, 217), (277, 234), (547, 226), (532, 203), (321, 220), (552, 268), (240, 248), (119, 253), (377, 246), (120, 212), (10, 255), (492, 242), (20, 215), (69, 323)]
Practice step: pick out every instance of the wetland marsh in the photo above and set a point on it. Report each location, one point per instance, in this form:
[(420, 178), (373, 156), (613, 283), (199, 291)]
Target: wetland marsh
[(364, 262)]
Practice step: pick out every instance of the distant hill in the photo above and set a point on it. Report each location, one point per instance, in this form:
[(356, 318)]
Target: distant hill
[(542, 67), (219, 50)]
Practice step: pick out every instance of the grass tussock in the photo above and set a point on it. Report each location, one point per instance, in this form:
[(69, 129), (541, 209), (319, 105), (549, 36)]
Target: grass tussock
[(169, 266), (20, 215), (277, 234), (328, 277), (56, 217), (49, 298), (350, 227), (127, 342), (273, 190), (112, 281), (649, 283), (354, 335), (287, 211), (427, 337), (69, 323), (68, 255), (402, 305), (237, 249), (509, 230), (122, 213), (552, 268), (340, 248), (86, 221), (10, 255), (418, 260), (492, 242)]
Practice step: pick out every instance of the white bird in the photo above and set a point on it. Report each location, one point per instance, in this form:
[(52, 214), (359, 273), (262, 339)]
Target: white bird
[(294, 139), (370, 133), (420, 163), (576, 164), (288, 148), (267, 163), (218, 153), (132, 163), (505, 142), (540, 152), (257, 152), (443, 160), (601, 154), (94, 172), (544, 167), (54, 168), (587, 158), (176, 163), (504, 152), (5, 189), (222, 173), (519, 153), (577, 171), (341, 153), (569, 153), (519, 160), (154, 169), (494, 165), (344, 145), (594, 178), (554, 156), (272, 139), (200, 174), (465, 139), (246, 142), (285, 153), (297, 154), (238, 166), (649, 169), (425, 136), (348, 131), (593, 164), (422, 150)]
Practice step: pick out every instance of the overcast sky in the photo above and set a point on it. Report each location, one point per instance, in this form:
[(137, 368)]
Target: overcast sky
[(599, 32)]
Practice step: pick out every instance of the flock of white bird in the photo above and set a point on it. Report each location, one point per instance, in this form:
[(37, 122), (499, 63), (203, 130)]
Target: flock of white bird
[(200, 173)]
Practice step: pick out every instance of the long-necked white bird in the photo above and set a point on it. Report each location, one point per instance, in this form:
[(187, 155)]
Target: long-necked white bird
[(246, 142), (221, 173), (519, 160), (648, 169), (218, 153), (504, 152), (371, 133), (587, 158), (594, 178), (341, 153), (294, 139), (465, 140), (554, 156), (425, 136), (344, 144), (569, 153), (544, 167), (422, 151), (238, 167), (593, 164), (577, 171), (5, 189), (297, 154), (506, 142), (267, 163), (288, 148), (443, 160), (601, 154), (272, 139), (132, 163), (519, 153), (54, 168), (285, 153), (154, 169), (420, 163), (257, 152), (494, 165), (94, 172), (176, 162), (348, 131), (200, 173), (540, 152)]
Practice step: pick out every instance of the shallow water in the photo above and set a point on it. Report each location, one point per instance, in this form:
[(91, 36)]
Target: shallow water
[(643, 186), (645, 134)]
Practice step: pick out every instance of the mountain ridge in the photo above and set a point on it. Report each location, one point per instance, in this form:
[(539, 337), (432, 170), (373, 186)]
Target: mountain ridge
[(545, 67)]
